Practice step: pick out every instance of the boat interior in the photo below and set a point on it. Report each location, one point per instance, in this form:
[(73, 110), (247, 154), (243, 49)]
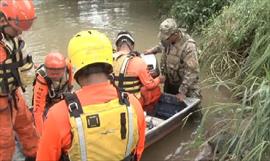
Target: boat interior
[(166, 108)]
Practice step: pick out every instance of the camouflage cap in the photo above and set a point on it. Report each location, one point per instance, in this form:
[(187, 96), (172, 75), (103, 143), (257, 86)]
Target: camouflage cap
[(167, 28)]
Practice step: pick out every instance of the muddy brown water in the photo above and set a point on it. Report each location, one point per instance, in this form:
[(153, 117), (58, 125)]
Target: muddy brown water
[(58, 20)]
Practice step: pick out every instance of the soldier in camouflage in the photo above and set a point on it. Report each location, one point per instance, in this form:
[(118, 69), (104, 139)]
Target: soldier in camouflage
[(179, 62)]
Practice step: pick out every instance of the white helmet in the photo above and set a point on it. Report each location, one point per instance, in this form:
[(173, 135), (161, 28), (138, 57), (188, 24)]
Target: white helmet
[(124, 36)]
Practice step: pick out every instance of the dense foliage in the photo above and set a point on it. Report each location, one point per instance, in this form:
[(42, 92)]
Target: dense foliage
[(235, 44), (236, 52), (192, 14)]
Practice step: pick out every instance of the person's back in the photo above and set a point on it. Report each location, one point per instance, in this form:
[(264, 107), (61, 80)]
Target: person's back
[(53, 79), (96, 122), (132, 73)]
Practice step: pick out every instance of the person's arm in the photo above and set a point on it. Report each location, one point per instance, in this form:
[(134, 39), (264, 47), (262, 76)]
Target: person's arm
[(144, 75), (141, 127), (191, 72), (154, 50), (39, 102), (50, 142)]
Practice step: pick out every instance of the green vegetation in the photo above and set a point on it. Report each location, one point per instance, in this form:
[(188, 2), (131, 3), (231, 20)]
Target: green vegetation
[(236, 52), (192, 14), (235, 44)]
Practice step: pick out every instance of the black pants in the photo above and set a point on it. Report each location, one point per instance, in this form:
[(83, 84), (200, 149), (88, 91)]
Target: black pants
[(173, 89), (170, 88)]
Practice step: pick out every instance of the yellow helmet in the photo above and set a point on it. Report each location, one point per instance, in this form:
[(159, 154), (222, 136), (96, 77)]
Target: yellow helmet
[(89, 47)]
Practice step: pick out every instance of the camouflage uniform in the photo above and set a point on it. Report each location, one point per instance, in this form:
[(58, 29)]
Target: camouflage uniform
[(179, 62)]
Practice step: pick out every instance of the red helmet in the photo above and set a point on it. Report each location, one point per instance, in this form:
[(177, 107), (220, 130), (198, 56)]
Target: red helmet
[(19, 13), (55, 65)]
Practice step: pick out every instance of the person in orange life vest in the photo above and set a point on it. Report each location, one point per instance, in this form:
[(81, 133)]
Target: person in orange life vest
[(53, 79), (97, 122), (15, 17), (151, 97), (132, 74)]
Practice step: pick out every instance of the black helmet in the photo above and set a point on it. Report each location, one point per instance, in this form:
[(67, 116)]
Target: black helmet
[(124, 36)]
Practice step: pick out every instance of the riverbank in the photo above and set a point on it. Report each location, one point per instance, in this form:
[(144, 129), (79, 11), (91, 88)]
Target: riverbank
[(235, 44)]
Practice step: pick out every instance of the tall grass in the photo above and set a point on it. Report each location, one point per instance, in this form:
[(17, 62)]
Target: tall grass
[(236, 44), (236, 54), (191, 14)]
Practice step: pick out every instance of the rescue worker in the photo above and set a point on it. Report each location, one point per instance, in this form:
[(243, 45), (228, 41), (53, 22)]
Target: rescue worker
[(179, 62), (132, 74), (15, 17), (98, 122), (53, 79)]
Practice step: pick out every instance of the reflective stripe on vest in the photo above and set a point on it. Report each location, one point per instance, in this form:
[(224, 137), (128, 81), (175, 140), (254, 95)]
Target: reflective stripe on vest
[(81, 138), (131, 130), (97, 133), (125, 82)]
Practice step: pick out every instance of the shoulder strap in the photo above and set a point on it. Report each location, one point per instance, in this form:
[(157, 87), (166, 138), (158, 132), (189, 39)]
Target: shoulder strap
[(75, 110), (123, 98), (41, 71), (123, 70), (124, 120), (117, 55), (74, 105)]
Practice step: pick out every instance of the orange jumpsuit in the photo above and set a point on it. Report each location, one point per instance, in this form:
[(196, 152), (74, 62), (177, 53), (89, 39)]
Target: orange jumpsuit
[(56, 137), (19, 120), (150, 91), (40, 95)]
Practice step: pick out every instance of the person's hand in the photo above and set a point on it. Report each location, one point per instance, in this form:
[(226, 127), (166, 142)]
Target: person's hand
[(162, 78), (180, 97), (153, 73)]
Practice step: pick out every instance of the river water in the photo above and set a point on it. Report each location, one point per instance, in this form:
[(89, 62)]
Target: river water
[(58, 20)]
